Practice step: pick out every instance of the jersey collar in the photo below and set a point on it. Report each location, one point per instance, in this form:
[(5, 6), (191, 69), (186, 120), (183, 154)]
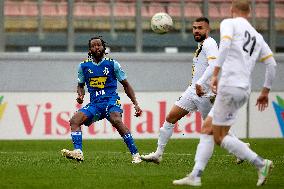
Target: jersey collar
[(97, 64)]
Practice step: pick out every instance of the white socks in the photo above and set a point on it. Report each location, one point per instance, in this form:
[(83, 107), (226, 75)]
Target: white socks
[(231, 134), (204, 152), (165, 134), (238, 148)]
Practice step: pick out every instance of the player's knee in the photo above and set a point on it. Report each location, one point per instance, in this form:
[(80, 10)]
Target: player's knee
[(74, 122), (171, 119), (207, 126), (116, 121), (218, 140), (207, 130)]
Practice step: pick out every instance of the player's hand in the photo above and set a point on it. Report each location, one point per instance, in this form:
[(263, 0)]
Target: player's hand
[(262, 100), (214, 84), (138, 111), (80, 99), (199, 90)]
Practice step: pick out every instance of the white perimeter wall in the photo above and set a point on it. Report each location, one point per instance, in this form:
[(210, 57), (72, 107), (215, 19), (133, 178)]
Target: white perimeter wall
[(46, 115)]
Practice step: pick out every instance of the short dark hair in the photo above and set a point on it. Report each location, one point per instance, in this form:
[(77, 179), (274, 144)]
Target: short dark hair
[(202, 19)]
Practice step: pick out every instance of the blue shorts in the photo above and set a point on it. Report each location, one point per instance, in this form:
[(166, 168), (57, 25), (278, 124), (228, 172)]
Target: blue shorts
[(100, 110)]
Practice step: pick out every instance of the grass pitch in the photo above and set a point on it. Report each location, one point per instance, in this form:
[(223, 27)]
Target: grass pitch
[(39, 164)]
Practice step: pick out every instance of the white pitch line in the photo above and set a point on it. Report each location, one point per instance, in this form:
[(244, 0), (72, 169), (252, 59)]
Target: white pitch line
[(107, 152)]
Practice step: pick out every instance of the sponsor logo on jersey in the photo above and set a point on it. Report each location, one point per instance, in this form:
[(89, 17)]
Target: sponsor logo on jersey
[(279, 110), (98, 82), (2, 107)]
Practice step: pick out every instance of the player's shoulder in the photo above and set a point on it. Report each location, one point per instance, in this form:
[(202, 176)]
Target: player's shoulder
[(209, 42), (86, 61), (228, 21), (111, 60)]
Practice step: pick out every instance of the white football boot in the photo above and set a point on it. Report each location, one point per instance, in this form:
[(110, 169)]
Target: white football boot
[(238, 160), (264, 172), (73, 154), (136, 158), (188, 180), (152, 157)]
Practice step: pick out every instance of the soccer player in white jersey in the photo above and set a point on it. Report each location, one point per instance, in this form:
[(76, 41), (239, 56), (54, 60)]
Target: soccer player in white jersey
[(191, 100), (240, 48)]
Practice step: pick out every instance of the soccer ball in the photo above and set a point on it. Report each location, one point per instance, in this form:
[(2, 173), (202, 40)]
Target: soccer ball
[(161, 23)]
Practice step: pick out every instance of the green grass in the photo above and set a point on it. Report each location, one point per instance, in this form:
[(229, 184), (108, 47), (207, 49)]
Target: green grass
[(38, 164)]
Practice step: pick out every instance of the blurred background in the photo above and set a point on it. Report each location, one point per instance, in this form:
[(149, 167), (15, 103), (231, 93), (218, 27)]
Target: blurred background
[(66, 25), (43, 41)]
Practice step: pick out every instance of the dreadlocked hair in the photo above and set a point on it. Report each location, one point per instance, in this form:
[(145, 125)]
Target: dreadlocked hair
[(103, 43)]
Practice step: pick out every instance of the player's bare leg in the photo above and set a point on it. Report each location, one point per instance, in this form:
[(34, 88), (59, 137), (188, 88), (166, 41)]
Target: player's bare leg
[(240, 149), (76, 134), (166, 132), (116, 121)]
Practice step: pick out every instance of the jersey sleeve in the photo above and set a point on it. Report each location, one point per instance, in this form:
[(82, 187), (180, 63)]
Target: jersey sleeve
[(226, 34), (265, 52), (81, 77), (211, 51), (119, 73), (226, 29), (266, 56)]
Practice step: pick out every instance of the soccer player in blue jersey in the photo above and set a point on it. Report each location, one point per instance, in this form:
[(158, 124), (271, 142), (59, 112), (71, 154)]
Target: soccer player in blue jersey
[(101, 74)]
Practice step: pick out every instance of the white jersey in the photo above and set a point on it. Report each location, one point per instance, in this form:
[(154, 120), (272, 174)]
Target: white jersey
[(247, 47), (207, 50)]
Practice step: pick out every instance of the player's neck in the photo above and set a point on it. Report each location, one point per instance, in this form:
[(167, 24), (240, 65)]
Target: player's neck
[(243, 16), (240, 14), (97, 60)]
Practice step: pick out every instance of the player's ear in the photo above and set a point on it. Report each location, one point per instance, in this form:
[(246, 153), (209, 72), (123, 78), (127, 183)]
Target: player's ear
[(208, 30)]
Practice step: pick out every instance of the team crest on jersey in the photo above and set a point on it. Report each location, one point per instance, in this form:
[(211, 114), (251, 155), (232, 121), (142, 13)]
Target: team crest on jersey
[(98, 82), (106, 71)]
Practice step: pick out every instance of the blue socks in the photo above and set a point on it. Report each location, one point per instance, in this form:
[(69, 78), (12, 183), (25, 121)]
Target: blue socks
[(77, 139), (130, 143)]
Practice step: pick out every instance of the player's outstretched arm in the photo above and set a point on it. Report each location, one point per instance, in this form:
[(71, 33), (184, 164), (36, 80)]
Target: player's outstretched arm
[(130, 93), (80, 92), (205, 77), (262, 100), (211, 50)]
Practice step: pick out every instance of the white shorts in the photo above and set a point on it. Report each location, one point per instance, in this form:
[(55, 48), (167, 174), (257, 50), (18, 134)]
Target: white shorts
[(190, 102), (228, 101)]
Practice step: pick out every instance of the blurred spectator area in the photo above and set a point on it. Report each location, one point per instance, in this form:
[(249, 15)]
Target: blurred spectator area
[(89, 15)]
